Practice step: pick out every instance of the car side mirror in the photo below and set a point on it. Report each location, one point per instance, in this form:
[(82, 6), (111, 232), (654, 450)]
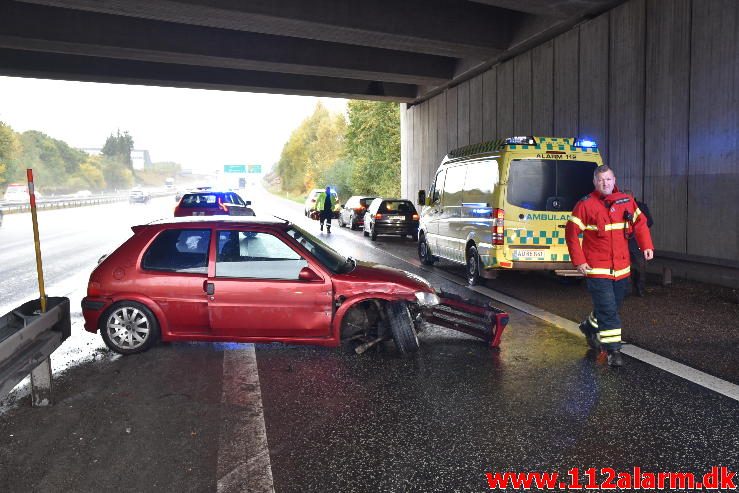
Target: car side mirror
[(307, 274), (421, 197), (248, 202)]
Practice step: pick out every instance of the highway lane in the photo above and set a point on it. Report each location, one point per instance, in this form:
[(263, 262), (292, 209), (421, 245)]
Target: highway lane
[(168, 419)]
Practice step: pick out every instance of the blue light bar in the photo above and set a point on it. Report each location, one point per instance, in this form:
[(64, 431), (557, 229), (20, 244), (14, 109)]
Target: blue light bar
[(522, 140), (585, 143)]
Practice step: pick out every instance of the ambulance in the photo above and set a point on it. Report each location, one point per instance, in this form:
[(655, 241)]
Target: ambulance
[(503, 205)]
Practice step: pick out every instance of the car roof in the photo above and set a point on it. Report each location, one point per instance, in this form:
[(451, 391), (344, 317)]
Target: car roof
[(229, 220)]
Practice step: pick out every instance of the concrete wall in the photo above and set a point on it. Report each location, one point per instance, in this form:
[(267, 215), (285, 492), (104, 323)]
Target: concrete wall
[(655, 82)]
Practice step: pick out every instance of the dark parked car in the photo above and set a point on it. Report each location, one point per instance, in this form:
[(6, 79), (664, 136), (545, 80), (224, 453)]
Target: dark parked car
[(352, 214), (391, 217), (212, 203)]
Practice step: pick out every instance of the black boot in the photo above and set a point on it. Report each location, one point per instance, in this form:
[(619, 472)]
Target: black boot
[(590, 337), (615, 359)]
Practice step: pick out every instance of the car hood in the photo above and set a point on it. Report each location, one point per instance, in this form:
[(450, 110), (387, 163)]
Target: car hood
[(368, 276)]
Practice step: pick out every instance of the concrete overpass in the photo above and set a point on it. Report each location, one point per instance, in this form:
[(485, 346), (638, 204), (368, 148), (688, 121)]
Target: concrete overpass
[(655, 82)]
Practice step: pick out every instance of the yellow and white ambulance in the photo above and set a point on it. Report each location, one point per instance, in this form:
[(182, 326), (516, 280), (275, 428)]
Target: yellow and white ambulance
[(503, 204)]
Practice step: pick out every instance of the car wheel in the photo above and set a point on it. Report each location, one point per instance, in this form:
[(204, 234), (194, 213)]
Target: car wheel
[(340, 220), (364, 230), (373, 233), (424, 254), (353, 223), (401, 327), (473, 266), (415, 236), (129, 327)]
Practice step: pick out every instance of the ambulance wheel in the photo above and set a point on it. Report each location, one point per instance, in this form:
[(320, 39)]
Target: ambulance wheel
[(402, 328), (473, 266), (424, 254)]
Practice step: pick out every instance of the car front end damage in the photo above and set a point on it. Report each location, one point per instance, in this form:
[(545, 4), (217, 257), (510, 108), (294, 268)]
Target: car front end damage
[(373, 321)]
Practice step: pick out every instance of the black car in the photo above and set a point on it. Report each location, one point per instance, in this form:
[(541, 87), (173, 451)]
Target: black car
[(391, 217), (352, 213)]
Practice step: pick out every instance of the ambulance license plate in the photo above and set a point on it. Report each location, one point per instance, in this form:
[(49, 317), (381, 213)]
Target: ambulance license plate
[(519, 254)]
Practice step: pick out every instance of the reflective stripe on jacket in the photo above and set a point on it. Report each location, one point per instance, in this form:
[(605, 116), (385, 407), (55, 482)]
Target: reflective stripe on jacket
[(605, 228)]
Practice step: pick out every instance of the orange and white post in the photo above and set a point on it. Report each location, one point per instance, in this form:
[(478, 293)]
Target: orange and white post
[(37, 244)]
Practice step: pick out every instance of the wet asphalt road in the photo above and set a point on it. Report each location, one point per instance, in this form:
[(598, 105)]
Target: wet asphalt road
[(438, 421)]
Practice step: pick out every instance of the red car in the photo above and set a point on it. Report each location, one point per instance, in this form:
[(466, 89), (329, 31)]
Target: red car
[(249, 280), (212, 203)]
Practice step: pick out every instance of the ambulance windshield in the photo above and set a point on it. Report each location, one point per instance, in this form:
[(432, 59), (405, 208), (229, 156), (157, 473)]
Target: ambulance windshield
[(547, 184)]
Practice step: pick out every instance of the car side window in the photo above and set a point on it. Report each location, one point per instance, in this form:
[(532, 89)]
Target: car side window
[(256, 255), (179, 250), (438, 187)]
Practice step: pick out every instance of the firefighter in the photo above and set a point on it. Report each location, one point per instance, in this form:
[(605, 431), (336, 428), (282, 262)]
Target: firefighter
[(325, 208), (607, 218)]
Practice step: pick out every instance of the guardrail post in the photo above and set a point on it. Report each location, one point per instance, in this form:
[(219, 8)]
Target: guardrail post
[(41, 384)]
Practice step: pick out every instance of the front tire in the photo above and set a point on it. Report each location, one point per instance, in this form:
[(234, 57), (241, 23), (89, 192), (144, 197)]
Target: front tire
[(402, 328), (424, 254), (473, 267), (128, 327)]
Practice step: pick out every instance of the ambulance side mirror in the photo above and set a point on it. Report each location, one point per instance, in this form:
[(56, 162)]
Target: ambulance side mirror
[(421, 197)]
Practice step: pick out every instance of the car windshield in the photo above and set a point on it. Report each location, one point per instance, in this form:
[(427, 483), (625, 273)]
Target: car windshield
[(548, 184), (327, 256)]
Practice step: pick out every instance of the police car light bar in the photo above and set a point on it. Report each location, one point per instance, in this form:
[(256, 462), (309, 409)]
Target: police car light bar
[(584, 143), (525, 140)]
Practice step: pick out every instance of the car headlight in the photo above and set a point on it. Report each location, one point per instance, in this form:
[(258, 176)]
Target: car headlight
[(427, 299)]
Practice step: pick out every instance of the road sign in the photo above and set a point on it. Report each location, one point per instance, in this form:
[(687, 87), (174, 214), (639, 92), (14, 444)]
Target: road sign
[(255, 168), (234, 168)]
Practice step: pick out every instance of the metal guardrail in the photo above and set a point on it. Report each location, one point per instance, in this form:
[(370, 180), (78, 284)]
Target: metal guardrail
[(64, 202), (27, 339)]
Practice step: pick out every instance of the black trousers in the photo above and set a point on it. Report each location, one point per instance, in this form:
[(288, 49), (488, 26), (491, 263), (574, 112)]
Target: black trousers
[(325, 216)]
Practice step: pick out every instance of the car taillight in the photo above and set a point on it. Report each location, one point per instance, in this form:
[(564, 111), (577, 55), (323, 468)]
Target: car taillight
[(415, 217), (378, 216), (497, 227), (93, 288)]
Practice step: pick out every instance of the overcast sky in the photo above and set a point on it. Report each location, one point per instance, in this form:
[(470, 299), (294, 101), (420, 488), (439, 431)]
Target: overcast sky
[(200, 129)]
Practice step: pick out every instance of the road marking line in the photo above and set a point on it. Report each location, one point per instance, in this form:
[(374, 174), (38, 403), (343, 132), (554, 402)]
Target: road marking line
[(688, 373), (243, 453)]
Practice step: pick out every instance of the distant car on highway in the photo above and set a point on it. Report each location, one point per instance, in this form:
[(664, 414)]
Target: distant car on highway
[(236, 279), (391, 217), (81, 194), (352, 213), (138, 196), (17, 193), (212, 203)]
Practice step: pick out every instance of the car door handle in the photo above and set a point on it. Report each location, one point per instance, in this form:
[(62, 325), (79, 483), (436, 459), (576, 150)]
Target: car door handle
[(209, 288)]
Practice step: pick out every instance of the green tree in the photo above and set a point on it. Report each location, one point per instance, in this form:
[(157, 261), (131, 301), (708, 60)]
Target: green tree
[(116, 176), (119, 147), (311, 151), (9, 148), (373, 146)]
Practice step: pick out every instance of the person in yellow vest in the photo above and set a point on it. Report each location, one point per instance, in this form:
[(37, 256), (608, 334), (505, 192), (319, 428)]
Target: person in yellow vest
[(325, 209)]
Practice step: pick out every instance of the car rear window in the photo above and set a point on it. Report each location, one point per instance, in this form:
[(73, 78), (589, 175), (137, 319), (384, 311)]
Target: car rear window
[(179, 250), (366, 201), (547, 184), (396, 206), (209, 200)]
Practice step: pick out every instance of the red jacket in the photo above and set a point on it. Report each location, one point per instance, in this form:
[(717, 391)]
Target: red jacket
[(606, 223)]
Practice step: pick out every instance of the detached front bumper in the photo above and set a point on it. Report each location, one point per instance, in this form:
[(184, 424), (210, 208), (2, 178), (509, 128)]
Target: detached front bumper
[(476, 319)]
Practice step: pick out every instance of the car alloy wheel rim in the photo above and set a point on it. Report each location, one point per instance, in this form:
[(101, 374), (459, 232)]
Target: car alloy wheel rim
[(422, 247), (472, 267), (128, 328)]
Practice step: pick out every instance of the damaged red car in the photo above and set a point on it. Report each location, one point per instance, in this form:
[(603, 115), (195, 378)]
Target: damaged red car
[(244, 279)]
